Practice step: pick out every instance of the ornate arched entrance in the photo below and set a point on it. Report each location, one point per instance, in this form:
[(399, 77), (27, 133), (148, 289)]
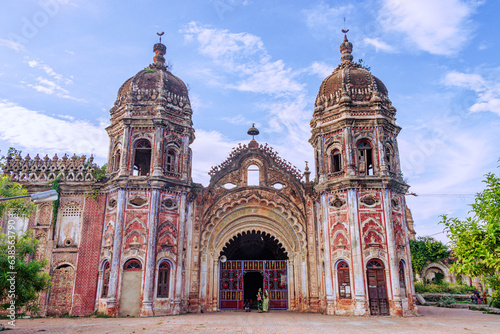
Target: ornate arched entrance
[(255, 235), (253, 260)]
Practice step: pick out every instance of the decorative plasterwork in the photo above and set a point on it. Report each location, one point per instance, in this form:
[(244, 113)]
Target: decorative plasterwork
[(35, 170), (236, 215)]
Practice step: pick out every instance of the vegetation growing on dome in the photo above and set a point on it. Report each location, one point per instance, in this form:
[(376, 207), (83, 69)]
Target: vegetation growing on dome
[(362, 63)]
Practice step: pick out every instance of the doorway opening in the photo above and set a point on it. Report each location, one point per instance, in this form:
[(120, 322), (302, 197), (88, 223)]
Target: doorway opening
[(253, 281), (255, 260), (377, 289)]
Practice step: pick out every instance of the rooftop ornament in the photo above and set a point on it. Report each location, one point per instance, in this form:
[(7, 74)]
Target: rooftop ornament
[(253, 131)]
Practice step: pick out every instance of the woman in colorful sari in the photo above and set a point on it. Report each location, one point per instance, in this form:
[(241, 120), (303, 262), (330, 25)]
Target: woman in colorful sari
[(259, 300), (265, 302)]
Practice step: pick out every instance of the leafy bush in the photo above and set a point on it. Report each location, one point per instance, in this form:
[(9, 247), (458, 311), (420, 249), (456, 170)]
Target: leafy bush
[(425, 250), (447, 301), (444, 288)]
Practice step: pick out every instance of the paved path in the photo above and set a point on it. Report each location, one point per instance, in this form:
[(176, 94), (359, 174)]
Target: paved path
[(433, 320)]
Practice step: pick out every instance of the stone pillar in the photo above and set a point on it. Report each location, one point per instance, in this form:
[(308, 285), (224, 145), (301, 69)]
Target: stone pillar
[(392, 261), (350, 161), (382, 168), (358, 268), (291, 285), (203, 282), (157, 148), (179, 277), (215, 284), (147, 301), (321, 159), (410, 288), (112, 308), (327, 256), (126, 149)]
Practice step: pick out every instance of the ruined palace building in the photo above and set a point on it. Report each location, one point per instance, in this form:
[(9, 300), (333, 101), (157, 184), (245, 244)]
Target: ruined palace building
[(149, 241)]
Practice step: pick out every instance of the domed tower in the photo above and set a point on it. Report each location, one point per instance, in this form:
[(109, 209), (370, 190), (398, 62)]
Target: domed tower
[(147, 195), (361, 194), (151, 127)]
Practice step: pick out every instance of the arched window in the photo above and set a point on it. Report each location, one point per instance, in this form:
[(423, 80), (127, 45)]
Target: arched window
[(116, 160), (163, 280), (170, 161), (344, 280), (132, 265), (253, 175), (389, 159), (402, 281), (105, 280), (374, 264), (365, 158), (142, 158), (336, 161)]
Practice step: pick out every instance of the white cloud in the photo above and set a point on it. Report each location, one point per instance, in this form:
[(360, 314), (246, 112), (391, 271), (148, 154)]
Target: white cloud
[(51, 85), (35, 131), (438, 27), (322, 19), (321, 69), (243, 55), (243, 59), (221, 44), (12, 45), (379, 44), (487, 91), (209, 149), (236, 120)]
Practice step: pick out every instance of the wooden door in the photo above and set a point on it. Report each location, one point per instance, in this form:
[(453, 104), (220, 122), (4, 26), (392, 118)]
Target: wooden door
[(130, 297), (377, 290)]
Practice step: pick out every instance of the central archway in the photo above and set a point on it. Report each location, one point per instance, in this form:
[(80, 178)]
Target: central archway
[(253, 260), (254, 245), (280, 259)]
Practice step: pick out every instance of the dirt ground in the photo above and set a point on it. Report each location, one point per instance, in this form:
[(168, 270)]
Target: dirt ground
[(432, 320)]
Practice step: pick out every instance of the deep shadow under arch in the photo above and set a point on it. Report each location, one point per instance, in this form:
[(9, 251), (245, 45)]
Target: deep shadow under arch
[(254, 245)]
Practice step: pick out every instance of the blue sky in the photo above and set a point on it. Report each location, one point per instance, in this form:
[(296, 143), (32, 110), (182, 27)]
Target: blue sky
[(62, 62)]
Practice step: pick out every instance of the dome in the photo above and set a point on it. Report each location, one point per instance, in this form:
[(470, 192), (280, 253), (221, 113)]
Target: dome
[(153, 83), (350, 81)]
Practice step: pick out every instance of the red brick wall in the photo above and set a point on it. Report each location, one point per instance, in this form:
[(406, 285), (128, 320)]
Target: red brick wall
[(88, 256), (60, 293)]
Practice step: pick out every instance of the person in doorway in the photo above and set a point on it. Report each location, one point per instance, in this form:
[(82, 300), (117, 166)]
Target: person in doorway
[(265, 302), (259, 300), (247, 305)]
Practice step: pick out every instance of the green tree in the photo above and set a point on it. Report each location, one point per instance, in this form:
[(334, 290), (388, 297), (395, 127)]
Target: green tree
[(18, 275), (20, 280), (475, 241), (19, 207), (426, 250), (11, 152)]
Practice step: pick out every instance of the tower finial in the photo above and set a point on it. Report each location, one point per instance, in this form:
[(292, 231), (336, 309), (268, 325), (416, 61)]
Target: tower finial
[(159, 50), (346, 48), (160, 34), (253, 131)]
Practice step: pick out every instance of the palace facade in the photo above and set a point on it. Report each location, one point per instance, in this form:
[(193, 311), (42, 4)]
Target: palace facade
[(149, 241)]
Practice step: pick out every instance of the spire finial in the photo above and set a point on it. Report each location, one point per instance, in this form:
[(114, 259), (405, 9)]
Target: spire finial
[(160, 34), (159, 50), (346, 48), (253, 131)]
